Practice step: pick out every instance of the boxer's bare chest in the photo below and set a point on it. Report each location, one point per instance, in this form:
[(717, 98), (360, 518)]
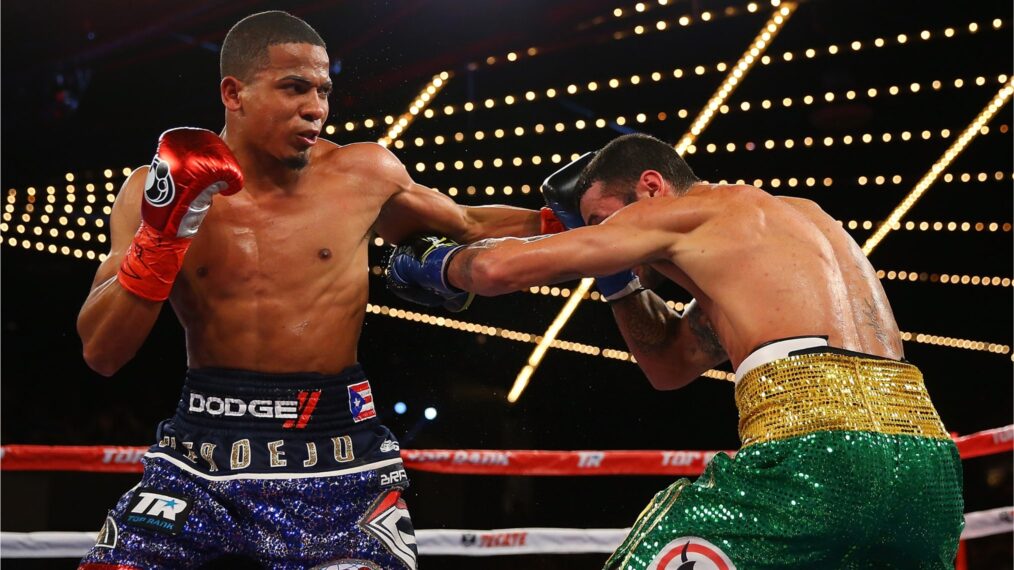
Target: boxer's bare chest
[(269, 242)]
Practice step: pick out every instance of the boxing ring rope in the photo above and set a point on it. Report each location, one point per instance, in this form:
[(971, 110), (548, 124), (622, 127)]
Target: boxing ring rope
[(465, 542), (462, 542), (127, 459)]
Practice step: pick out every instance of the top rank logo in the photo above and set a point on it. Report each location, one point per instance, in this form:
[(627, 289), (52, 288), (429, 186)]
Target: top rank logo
[(158, 510)]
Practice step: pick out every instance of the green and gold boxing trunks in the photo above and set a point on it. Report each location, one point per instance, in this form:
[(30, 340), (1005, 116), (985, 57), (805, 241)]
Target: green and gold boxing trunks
[(844, 464)]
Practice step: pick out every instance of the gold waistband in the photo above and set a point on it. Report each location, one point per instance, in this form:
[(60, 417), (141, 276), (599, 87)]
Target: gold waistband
[(803, 394)]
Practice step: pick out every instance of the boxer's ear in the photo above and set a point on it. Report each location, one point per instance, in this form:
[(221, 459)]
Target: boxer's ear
[(230, 89), (651, 183)]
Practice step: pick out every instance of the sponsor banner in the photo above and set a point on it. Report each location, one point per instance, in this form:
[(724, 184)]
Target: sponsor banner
[(296, 412), (488, 462), (122, 459)]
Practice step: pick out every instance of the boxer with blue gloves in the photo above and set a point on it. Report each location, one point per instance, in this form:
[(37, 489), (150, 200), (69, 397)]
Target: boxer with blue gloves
[(418, 271)]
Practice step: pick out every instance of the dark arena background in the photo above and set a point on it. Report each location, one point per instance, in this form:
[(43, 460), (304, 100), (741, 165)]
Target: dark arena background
[(894, 116)]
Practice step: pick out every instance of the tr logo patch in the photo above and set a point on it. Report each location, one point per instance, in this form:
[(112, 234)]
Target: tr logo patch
[(107, 534), (157, 510), (691, 553), (159, 188), (388, 521)]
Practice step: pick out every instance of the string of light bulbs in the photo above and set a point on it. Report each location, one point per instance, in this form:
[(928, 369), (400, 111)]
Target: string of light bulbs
[(55, 224), (615, 354), (420, 103), (974, 129), (536, 129), (641, 79), (509, 334), (677, 73), (790, 182), (886, 137)]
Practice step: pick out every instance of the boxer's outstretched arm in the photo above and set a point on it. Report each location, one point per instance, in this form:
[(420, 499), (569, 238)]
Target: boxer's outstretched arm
[(633, 236), (672, 351), (415, 209), (113, 322)]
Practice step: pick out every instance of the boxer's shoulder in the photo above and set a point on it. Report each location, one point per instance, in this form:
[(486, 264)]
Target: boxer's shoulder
[(369, 166), (360, 157)]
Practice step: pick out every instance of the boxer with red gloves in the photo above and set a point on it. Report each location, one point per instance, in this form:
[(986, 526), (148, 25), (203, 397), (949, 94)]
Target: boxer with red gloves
[(276, 452), (189, 169)]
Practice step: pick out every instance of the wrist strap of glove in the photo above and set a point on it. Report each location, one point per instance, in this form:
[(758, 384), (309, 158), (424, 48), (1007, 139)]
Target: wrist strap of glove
[(616, 287), (549, 223), (150, 267), (444, 255)]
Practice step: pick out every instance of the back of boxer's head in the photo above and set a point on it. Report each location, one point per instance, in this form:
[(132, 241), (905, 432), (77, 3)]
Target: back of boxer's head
[(245, 49), (620, 163)]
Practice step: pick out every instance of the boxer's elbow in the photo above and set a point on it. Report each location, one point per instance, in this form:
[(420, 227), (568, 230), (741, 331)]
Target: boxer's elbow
[(103, 360), (668, 378), (666, 383), (102, 364)]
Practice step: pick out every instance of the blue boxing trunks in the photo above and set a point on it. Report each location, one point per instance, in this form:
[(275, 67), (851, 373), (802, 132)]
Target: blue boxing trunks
[(289, 471)]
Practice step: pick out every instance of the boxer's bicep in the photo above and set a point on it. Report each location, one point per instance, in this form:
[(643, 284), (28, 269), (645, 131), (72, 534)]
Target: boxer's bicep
[(672, 350), (701, 348), (416, 209), (421, 210)]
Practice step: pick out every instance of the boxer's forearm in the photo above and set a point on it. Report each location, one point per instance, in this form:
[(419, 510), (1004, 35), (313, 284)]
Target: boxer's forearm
[(672, 350), (498, 221), (649, 328), (113, 324), (498, 266)]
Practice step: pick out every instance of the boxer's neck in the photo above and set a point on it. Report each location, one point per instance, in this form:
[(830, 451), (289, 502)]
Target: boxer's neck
[(262, 172)]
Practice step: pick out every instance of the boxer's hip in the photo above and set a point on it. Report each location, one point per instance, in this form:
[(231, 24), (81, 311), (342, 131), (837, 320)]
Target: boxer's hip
[(816, 389), (237, 423)]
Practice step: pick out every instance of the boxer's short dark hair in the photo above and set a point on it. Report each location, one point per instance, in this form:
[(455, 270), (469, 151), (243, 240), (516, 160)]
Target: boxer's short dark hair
[(245, 49), (620, 163)]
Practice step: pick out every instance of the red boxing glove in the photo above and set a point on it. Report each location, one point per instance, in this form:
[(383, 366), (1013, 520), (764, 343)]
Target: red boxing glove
[(550, 224), (190, 167)]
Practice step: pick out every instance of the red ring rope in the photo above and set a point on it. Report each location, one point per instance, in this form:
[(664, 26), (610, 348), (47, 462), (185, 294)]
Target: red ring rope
[(127, 459)]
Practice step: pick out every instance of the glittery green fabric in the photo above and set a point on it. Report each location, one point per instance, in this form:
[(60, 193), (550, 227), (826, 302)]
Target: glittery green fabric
[(828, 499)]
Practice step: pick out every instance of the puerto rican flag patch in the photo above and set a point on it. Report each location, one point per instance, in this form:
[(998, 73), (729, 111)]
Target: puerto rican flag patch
[(361, 401)]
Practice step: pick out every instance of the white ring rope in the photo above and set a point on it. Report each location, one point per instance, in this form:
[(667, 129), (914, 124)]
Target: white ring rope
[(453, 542)]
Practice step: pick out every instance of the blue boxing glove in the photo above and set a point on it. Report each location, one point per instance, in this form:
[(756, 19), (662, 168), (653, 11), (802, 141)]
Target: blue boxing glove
[(558, 190), (417, 272)]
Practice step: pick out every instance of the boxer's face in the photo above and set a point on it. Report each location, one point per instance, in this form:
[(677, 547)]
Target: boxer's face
[(285, 104), (597, 204)]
